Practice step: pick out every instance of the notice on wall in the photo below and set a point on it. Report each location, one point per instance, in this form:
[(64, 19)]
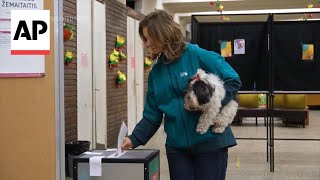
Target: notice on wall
[(307, 51), (239, 46), (17, 65), (84, 59), (133, 62), (226, 49)]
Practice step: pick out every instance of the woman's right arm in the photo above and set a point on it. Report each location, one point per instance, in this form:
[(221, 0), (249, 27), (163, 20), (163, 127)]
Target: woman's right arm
[(151, 121)]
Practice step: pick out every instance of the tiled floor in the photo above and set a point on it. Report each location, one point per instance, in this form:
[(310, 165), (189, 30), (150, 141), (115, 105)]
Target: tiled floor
[(249, 129), (294, 160)]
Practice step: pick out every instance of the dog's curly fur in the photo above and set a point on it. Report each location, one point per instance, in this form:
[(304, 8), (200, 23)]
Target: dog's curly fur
[(205, 93)]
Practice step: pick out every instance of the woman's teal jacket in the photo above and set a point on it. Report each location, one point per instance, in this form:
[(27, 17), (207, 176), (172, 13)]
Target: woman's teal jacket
[(165, 101)]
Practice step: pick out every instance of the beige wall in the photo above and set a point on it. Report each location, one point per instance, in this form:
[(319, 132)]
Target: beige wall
[(147, 6), (27, 130), (122, 1)]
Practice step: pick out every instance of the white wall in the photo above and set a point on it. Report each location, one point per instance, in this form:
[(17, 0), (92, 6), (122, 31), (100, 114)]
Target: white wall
[(147, 6), (183, 25)]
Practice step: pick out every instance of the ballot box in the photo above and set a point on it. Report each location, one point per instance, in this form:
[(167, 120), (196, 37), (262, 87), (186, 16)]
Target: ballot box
[(138, 164)]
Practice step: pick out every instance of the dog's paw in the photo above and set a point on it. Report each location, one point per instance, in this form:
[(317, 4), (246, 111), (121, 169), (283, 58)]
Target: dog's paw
[(220, 123), (201, 129), (218, 129)]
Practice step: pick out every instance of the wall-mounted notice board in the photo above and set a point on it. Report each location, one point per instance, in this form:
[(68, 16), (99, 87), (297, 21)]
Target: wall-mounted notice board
[(17, 65)]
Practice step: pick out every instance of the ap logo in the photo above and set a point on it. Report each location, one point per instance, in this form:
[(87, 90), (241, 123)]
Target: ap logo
[(30, 32)]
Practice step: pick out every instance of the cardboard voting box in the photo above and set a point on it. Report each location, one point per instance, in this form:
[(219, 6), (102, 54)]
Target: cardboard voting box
[(138, 164)]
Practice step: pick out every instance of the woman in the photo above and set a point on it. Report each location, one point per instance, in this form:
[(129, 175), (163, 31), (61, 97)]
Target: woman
[(191, 156)]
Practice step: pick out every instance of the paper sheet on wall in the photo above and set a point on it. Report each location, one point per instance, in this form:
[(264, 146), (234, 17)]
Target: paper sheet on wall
[(84, 59), (133, 62), (95, 165), (239, 46), (13, 64)]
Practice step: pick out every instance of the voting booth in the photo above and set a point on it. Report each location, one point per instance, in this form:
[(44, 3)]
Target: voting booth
[(138, 164)]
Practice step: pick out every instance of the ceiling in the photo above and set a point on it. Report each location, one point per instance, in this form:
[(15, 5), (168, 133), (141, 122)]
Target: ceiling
[(177, 6), (183, 8)]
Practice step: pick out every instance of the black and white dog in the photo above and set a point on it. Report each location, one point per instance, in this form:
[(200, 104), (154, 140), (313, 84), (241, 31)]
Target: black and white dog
[(205, 93)]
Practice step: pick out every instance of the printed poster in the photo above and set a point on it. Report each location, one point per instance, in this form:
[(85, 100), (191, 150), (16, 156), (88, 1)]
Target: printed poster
[(307, 51), (239, 46), (226, 50), (17, 65)]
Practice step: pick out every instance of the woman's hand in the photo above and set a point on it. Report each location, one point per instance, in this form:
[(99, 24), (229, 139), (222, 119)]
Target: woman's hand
[(127, 144)]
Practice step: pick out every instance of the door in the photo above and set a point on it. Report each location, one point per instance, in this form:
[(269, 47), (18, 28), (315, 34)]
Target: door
[(135, 72), (99, 73), (91, 72), (84, 71)]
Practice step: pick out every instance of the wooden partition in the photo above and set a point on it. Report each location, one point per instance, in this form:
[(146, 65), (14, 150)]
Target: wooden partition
[(27, 117)]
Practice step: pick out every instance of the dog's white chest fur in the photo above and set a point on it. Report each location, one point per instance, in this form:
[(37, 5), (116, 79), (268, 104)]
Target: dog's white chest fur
[(205, 92)]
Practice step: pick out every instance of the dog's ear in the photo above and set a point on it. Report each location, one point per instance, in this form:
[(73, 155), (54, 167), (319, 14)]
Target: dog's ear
[(188, 86), (190, 80), (203, 91)]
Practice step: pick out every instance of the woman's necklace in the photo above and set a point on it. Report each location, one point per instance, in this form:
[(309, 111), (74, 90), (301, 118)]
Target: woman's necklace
[(158, 56), (165, 61)]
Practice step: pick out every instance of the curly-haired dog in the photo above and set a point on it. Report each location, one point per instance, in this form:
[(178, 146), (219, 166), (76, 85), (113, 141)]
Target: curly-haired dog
[(205, 93)]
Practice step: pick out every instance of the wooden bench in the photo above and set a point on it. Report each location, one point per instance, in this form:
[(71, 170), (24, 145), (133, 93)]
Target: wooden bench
[(293, 116), (285, 108), (251, 112)]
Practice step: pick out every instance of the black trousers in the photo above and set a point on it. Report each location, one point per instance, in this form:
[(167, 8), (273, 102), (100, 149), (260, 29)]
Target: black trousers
[(185, 165)]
